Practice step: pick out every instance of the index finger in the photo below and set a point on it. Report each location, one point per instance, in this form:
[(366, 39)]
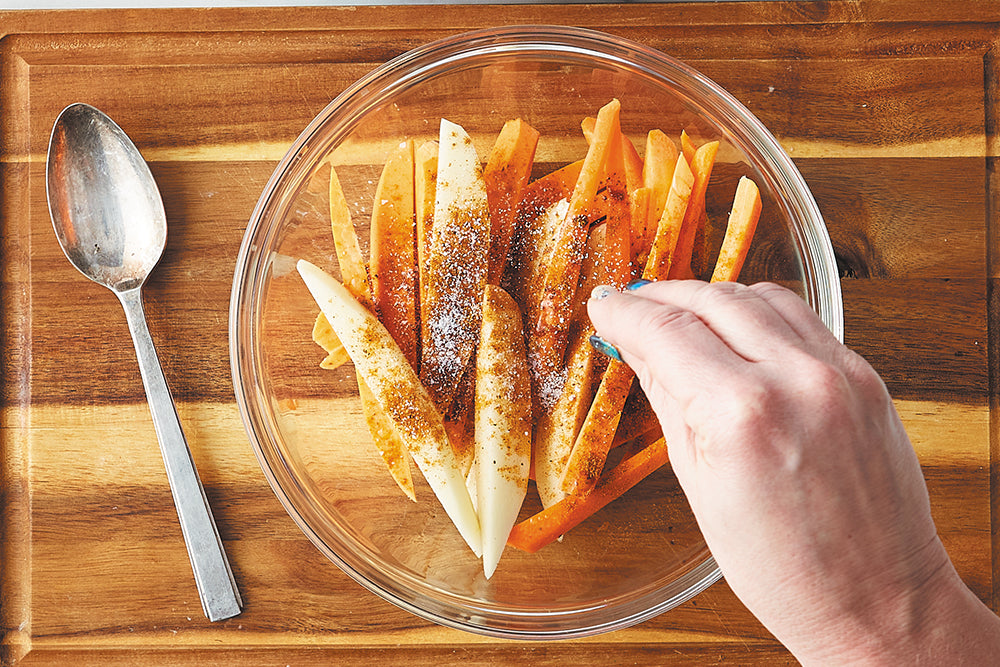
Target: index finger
[(664, 344)]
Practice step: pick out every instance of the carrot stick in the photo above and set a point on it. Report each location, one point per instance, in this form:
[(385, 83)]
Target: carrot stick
[(390, 446), (597, 433), (739, 232), (393, 251), (694, 218), (549, 337), (506, 174), (546, 526)]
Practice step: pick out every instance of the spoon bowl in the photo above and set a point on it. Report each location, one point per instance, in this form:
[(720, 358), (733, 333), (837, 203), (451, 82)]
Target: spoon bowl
[(108, 216), (113, 235)]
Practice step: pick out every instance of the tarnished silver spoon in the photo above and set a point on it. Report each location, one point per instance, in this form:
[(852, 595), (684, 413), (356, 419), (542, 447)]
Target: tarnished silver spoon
[(108, 216)]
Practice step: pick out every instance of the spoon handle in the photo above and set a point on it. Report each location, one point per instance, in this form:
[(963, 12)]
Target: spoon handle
[(219, 596)]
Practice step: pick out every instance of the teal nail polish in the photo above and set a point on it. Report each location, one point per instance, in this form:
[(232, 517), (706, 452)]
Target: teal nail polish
[(605, 348), (636, 284)]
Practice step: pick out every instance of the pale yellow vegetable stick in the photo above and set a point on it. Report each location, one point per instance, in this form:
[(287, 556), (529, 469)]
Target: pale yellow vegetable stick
[(503, 422), (457, 265), (396, 387)]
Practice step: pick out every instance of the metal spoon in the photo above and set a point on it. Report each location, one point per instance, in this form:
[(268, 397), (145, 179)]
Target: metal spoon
[(108, 216)]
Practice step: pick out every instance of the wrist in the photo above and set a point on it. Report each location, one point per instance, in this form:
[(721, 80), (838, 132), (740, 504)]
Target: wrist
[(936, 621)]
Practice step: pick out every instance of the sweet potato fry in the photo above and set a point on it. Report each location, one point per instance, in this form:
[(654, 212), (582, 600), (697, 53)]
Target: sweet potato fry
[(657, 172), (503, 422), (668, 228), (639, 211), (396, 387), (457, 265), (633, 161), (594, 441), (424, 177), (688, 149), (739, 231), (353, 270), (355, 275), (548, 525), (547, 342), (507, 172), (393, 265), (536, 224), (694, 217), (323, 335)]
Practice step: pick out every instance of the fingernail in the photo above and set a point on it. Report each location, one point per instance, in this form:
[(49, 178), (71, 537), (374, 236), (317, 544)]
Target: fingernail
[(636, 284), (605, 348), (601, 292)]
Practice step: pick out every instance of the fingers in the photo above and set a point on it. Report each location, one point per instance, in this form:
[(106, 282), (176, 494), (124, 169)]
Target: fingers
[(746, 321), (665, 345)]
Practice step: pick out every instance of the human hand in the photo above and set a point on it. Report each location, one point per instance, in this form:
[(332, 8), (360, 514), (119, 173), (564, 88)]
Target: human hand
[(797, 468)]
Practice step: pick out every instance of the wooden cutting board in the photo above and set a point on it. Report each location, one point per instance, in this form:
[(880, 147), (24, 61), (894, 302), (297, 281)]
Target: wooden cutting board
[(890, 118)]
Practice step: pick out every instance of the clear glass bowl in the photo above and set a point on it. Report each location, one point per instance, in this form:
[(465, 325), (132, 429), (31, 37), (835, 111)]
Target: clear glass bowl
[(641, 555)]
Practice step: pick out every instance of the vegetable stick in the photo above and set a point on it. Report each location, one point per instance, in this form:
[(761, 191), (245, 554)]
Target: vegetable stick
[(657, 172), (637, 417), (694, 218), (457, 265), (556, 429), (639, 211), (506, 174), (503, 422), (355, 275), (668, 228), (594, 441), (388, 443), (548, 525), (739, 231), (633, 161), (353, 271), (537, 220), (424, 177), (393, 265), (617, 255), (396, 387), (688, 149), (548, 339), (586, 461), (323, 335)]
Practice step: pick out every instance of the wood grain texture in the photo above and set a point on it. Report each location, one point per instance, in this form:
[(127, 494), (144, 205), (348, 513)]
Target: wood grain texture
[(889, 110)]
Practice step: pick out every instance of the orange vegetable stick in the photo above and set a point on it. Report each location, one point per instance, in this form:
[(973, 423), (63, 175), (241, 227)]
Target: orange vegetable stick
[(739, 231), (596, 436), (353, 271), (324, 336), (688, 149), (546, 526), (639, 211), (694, 218), (393, 251), (506, 174), (668, 229), (633, 161), (549, 337), (424, 180), (657, 172), (534, 235), (390, 446)]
